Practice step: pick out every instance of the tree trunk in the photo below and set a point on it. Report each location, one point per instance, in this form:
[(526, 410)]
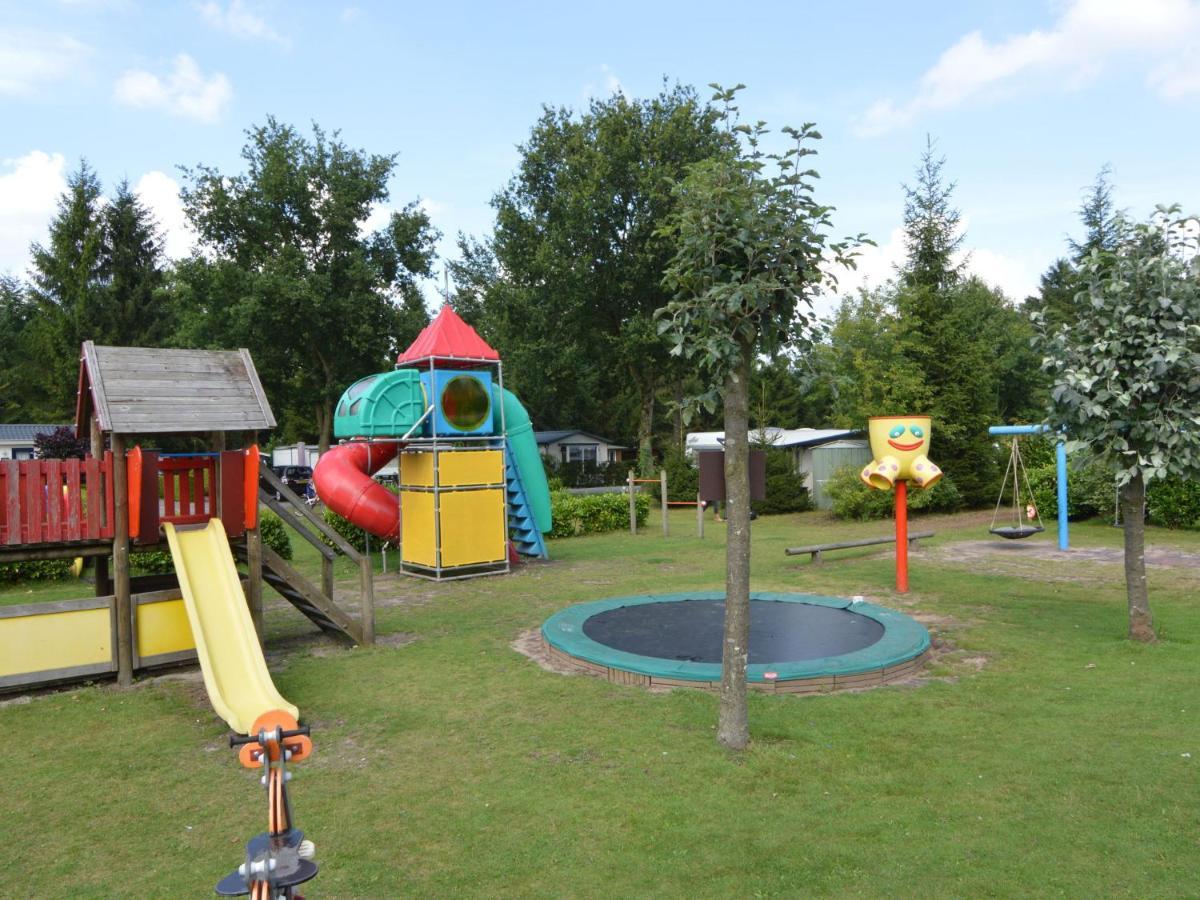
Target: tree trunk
[(1133, 512), (646, 430), (733, 729), (680, 443), (324, 413)]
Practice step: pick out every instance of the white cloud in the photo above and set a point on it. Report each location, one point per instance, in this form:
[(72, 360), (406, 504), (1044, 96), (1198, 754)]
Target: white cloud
[(29, 190), (608, 84), (351, 14), (240, 20), (185, 92), (1088, 34), (1016, 277), (31, 58), (160, 192)]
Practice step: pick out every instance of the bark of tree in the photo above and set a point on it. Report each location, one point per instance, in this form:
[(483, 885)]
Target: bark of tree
[(678, 416), (646, 430), (1133, 513), (733, 729), (324, 413)]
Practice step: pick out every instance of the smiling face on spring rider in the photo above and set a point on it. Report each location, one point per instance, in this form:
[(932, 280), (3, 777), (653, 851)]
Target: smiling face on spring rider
[(900, 445)]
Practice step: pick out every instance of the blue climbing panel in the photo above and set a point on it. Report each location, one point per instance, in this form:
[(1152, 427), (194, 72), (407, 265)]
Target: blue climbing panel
[(521, 528)]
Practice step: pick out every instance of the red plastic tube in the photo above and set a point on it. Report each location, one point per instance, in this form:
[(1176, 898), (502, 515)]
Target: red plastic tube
[(344, 484)]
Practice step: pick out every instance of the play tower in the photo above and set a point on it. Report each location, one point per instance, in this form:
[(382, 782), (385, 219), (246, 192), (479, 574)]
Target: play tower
[(472, 490)]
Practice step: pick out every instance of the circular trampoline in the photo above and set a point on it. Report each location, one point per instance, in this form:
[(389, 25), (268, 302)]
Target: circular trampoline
[(799, 643)]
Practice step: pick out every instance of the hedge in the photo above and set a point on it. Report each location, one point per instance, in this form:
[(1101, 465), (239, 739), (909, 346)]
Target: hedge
[(594, 513)]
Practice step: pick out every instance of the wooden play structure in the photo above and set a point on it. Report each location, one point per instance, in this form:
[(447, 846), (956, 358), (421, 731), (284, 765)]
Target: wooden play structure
[(123, 495)]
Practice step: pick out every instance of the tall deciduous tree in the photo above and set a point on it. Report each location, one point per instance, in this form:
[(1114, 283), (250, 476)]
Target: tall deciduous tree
[(578, 258), (750, 246), (288, 271), (1126, 372)]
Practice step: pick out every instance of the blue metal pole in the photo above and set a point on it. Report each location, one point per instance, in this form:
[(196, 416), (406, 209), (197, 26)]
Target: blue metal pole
[(1018, 429), (1060, 457)]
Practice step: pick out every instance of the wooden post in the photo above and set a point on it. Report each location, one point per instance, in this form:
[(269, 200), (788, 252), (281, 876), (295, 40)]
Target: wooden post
[(699, 517), (367, 598), (902, 536), (216, 443), (662, 479), (254, 570), (632, 504), (121, 563)]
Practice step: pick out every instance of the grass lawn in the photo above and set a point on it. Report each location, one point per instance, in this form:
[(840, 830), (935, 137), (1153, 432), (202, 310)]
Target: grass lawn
[(1042, 754)]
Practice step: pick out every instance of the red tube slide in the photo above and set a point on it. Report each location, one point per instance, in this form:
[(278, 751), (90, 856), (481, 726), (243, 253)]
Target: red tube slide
[(344, 484)]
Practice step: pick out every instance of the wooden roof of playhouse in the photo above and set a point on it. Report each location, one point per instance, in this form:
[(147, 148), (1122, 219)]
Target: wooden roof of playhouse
[(139, 390)]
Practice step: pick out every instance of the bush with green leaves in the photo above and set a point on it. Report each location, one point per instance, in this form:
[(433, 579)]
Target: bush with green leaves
[(34, 570), (274, 533), (1174, 503), (785, 490), (683, 478), (354, 536), (854, 500), (1090, 490), (594, 513)]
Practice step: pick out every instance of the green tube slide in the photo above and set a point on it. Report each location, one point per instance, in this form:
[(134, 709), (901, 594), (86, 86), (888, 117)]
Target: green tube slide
[(521, 444)]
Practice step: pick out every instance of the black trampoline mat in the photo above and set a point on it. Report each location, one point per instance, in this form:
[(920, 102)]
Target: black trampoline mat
[(691, 630)]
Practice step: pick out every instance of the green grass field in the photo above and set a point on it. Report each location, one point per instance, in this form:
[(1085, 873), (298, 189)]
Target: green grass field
[(1042, 754)]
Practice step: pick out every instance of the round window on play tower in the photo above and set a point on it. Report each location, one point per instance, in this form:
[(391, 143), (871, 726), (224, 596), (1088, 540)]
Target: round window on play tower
[(465, 403)]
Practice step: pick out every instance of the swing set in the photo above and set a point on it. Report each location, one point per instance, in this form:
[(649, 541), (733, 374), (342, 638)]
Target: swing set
[(1018, 527)]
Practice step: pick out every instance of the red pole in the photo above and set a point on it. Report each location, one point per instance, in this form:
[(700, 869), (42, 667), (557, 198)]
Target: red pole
[(902, 537)]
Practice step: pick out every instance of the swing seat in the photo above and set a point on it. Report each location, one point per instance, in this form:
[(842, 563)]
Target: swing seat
[(1016, 532)]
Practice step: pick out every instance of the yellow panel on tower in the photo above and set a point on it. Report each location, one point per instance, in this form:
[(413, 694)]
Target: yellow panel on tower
[(418, 528), (455, 468), (472, 527)]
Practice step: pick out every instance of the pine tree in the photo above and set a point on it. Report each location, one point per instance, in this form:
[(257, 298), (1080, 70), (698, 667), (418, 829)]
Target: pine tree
[(932, 233), (132, 310)]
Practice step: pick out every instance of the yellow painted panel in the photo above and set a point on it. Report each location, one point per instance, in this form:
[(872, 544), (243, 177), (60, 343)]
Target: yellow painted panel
[(454, 468), (55, 641), (416, 469), (472, 527), (163, 627), (418, 536), (469, 467)]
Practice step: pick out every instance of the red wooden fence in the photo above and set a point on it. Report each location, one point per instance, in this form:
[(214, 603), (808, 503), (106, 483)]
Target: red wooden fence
[(56, 500), (189, 489)]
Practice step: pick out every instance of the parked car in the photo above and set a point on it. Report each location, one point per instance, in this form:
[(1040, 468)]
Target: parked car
[(298, 478)]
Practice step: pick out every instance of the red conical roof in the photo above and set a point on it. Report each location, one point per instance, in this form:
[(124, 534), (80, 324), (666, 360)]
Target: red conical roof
[(448, 338)]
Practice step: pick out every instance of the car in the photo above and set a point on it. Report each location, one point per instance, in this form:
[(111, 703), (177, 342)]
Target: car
[(298, 478)]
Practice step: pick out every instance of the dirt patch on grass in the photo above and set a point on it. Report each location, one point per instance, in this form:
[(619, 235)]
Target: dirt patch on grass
[(969, 552)]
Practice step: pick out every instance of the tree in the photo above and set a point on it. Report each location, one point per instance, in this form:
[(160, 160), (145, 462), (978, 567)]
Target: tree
[(17, 312), (573, 273), (750, 250), (932, 234), (99, 278), (1125, 372), (1062, 283), (61, 443), (287, 271), (67, 284)]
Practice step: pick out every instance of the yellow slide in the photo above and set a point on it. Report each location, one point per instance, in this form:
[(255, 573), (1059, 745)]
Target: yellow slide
[(235, 674)]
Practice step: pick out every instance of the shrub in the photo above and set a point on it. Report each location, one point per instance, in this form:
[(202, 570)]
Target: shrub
[(274, 533), (355, 536), (1173, 504), (785, 488), (683, 479), (594, 513), (61, 443), (151, 562), (854, 500), (1090, 490), (36, 570)]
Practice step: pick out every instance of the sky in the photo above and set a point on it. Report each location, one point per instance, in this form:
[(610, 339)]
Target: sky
[(1027, 100)]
